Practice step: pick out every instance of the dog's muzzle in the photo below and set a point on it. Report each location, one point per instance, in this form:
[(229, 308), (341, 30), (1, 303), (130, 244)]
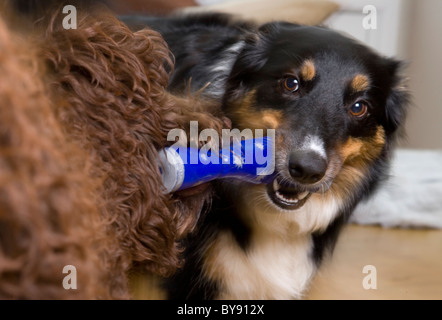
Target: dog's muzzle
[(306, 168)]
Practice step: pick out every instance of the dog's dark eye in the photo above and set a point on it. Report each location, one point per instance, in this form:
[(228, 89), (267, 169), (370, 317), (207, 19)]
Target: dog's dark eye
[(359, 109), (291, 84)]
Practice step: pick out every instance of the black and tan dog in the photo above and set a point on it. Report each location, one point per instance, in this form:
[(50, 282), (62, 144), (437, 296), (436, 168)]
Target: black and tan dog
[(336, 107)]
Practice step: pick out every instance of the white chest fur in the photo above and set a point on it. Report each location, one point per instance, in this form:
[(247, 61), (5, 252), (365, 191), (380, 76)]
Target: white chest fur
[(278, 261), (271, 268)]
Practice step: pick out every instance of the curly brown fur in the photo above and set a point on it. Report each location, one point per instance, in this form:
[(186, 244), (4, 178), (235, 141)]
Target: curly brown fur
[(48, 214), (80, 182)]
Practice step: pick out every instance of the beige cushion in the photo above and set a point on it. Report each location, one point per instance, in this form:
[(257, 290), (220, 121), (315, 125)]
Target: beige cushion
[(310, 12)]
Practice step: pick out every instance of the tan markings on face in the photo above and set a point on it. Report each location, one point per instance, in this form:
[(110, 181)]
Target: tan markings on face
[(346, 182), (271, 118), (351, 148), (244, 114), (308, 70), (360, 83), (356, 155), (357, 150)]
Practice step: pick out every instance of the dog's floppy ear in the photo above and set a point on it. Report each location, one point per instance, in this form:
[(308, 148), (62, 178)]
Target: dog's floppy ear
[(254, 53), (398, 99), (253, 56), (250, 60)]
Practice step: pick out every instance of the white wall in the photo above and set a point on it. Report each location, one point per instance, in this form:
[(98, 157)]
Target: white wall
[(424, 126), (389, 37)]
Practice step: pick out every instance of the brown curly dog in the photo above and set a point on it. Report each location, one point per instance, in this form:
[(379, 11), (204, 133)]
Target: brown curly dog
[(83, 113)]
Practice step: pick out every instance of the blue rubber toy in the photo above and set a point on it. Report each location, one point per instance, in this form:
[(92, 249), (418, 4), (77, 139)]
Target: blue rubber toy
[(249, 160)]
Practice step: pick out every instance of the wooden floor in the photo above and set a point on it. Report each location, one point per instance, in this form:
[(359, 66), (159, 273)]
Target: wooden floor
[(408, 265)]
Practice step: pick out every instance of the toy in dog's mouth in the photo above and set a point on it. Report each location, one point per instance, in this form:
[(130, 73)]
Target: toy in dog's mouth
[(286, 195)]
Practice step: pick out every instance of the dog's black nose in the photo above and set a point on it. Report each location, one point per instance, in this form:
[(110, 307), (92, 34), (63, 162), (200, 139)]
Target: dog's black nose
[(307, 167)]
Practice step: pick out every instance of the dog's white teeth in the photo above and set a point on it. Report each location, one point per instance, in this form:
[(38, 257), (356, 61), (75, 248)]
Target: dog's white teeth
[(303, 195), (283, 198), (275, 185)]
